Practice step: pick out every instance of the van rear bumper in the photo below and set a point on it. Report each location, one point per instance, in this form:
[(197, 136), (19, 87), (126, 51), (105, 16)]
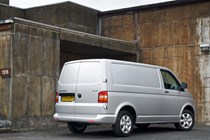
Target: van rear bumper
[(97, 119)]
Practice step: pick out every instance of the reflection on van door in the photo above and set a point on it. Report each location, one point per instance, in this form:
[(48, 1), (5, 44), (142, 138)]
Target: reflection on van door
[(172, 104)]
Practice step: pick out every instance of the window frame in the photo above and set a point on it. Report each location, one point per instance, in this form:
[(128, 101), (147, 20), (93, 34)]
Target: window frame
[(175, 79)]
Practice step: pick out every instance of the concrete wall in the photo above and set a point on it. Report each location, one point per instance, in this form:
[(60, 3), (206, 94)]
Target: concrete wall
[(119, 26), (170, 36), (67, 15), (7, 12), (4, 2), (5, 83), (35, 63), (167, 36)]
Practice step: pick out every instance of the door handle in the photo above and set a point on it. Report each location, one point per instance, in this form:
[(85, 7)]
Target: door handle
[(79, 95), (166, 91)]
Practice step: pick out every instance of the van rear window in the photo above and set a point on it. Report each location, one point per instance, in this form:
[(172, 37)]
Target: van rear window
[(69, 73), (81, 73), (89, 72), (134, 75)]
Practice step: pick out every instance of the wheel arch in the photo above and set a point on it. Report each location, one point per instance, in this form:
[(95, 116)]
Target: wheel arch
[(188, 107), (127, 107)]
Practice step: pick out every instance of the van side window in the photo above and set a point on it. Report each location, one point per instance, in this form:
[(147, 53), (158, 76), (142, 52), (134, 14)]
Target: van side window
[(134, 75), (170, 82)]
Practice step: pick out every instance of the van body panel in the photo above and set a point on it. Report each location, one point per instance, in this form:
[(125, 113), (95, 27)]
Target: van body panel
[(139, 86), (65, 108), (145, 104), (188, 103), (175, 101), (96, 119)]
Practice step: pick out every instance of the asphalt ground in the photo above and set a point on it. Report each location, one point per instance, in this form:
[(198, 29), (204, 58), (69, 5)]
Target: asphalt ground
[(154, 132)]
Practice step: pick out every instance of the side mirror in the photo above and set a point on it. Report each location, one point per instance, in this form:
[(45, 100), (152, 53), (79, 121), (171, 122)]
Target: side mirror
[(184, 85)]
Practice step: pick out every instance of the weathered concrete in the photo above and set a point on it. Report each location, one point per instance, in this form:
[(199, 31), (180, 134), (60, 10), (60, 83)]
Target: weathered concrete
[(33, 51), (4, 2), (5, 83), (203, 34), (170, 36), (35, 70), (119, 27), (98, 41), (7, 12), (165, 35), (63, 15)]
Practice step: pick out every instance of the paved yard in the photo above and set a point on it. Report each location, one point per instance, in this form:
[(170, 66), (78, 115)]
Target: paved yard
[(154, 132)]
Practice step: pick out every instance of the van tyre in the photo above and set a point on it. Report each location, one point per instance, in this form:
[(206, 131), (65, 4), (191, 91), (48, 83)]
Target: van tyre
[(77, 128), (124, 124), (187, 121)]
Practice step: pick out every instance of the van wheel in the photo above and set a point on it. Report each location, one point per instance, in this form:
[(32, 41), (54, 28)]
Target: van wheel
[(187, 121), (142, 125), (124, 124), (76, 128)]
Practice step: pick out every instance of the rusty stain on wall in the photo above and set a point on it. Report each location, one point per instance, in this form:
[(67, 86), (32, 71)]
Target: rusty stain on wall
[(120, 27), (170, 37), (5, 83)]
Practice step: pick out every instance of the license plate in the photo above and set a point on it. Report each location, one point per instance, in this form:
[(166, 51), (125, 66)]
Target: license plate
[(67, 98)]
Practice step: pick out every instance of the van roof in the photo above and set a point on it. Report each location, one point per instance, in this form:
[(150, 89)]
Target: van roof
[(118, 61)]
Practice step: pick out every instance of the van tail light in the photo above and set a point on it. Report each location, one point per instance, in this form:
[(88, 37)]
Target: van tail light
[(57, 97), (103, 97)]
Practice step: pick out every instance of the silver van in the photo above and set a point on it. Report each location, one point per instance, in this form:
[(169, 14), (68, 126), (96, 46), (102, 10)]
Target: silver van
[(123, 94)]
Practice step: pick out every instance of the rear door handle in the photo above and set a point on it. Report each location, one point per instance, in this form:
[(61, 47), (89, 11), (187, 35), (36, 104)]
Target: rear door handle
[(79, 95)]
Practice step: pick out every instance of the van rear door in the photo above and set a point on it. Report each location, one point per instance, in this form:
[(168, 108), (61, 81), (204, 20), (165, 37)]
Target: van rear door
[(67, 88), (89, 84)]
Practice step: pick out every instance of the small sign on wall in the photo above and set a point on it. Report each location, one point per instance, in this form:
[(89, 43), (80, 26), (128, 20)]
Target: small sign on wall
[(5, 73)]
